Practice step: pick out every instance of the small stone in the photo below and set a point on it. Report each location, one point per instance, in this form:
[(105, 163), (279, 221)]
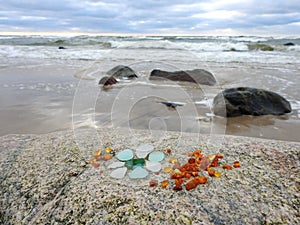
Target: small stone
[(143, 150), (138, 173), (95, 165), (107, 156), (125, 155), (97, 153), (116, 165), (153, 166), (156, 156), (176, 166), (164, 183), (173, 160), (236, 164), (153, 183), (119, 173), (168, 169)]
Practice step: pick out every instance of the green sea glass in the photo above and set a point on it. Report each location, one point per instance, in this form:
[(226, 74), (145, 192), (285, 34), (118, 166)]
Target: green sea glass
[(133, 163)]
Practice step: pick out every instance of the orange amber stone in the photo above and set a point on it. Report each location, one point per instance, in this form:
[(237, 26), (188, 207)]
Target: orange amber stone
[(107, 156), (108, 150), (195, 174), (227, 167), (177, 188), (191, 184), (164, 183), (178, 181), (211, 172), (173, 160), (92, 160), (204, 163), (153, 183), (168, 169), (169, 150), (236, 164), (192, 160), (97, 153), (217, 174), (97, 158), (176, 166), (220, 156), (95, 165), (188, 175), (215, 162), (201, 179)]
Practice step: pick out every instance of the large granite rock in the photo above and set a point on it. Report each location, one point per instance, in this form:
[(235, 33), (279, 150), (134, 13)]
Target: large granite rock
[(249, 101), (122, 72), (199, 76)]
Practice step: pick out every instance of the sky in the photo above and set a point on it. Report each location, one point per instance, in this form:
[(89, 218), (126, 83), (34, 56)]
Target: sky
[(195, 17)]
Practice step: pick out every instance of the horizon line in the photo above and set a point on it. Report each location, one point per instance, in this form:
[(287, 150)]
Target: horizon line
[(58, 33)]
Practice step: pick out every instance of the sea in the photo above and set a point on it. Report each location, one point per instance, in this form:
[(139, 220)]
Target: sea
[(51, 82)]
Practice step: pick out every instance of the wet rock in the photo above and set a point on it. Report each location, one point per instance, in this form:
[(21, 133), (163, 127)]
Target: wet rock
[(108, 81), (122, 72), (249, 101), (61, 47), (289, 44), (199, 76)]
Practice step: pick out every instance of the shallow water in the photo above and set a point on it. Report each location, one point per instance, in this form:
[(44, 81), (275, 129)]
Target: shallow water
[(40, 95)]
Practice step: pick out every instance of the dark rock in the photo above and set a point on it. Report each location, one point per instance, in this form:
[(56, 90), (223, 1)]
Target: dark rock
[(171, 105), (249, 101), (289, 44), (108, 81), (61, 47), (122, 72), (199, 76)]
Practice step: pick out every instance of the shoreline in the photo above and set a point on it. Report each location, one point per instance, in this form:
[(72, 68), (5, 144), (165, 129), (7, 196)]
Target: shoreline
[(47, 179)]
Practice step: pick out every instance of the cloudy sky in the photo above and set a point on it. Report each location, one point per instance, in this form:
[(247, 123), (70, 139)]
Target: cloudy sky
[(221, 17)]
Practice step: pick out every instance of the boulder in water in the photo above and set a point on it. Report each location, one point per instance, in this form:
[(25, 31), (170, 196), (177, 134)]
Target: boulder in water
[(249, 101), (199, 76), (289, 44), (108, 81), (122, 72)]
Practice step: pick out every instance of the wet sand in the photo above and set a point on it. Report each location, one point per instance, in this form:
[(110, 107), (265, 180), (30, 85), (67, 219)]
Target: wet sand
[(40, 99)]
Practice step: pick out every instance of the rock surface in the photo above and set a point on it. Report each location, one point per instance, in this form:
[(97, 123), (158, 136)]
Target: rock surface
[(249, 101), (123, 72), (199, 76), (45, 179)]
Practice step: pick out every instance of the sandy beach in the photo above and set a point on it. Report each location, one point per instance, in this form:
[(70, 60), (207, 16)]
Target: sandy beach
[(47, 179)]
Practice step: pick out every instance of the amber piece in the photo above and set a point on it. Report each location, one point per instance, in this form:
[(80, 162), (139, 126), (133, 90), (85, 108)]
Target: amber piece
[(169, 150), (97, 153), (227, 167), (177, 188), (178, 181), (97, 158), (192, 160), (190, 154), (153, 183), (191, 184), (215, 162), (217, 174), (197, 153), (201, 179), (173, 160), (95, 165), (107, 156), (108, 150), (164, 183), (100, 171), (220, 156), (93, 160), (194, 174), (236, 164), (177, 171), (211, 172), (188, 176), (168, 169)]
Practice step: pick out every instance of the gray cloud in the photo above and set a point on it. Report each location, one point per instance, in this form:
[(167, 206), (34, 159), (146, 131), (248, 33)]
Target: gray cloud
[(151, 16)]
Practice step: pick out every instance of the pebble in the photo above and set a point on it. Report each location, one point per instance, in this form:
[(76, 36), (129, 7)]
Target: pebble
[(115, 165), (143, 150), (119, 173), (153, 166), (138, 173), (125, 155), (156, 156)]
